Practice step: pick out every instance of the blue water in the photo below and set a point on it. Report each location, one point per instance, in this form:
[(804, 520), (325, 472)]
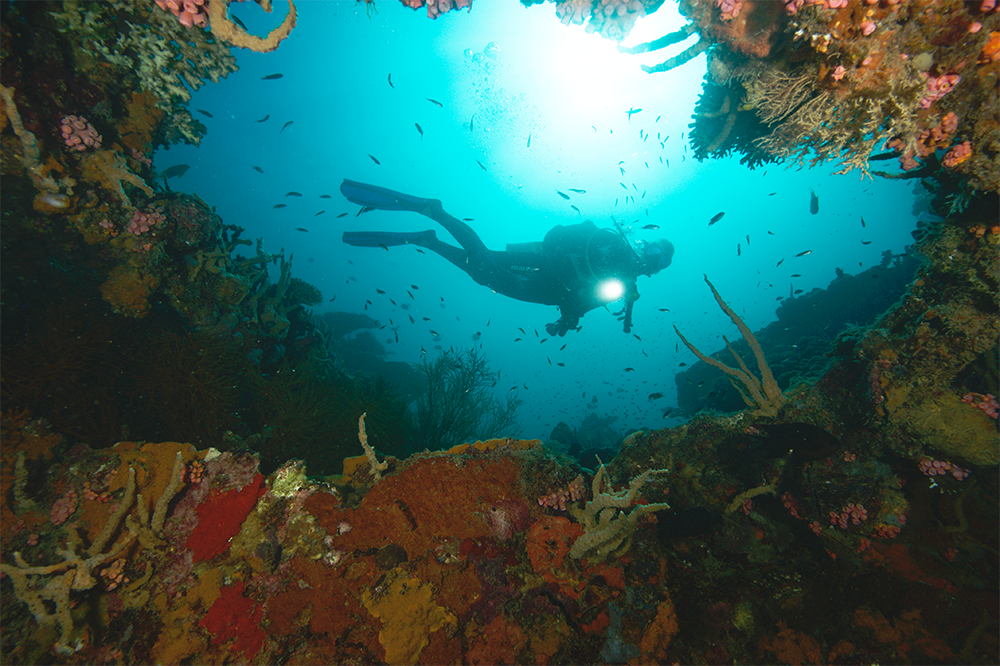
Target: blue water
[(570, 92)]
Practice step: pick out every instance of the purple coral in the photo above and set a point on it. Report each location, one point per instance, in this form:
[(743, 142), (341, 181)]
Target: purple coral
[(573, 11), (614, 18), (188, 12), (142, 222), (437, 7), (506, 517), (78, 134), (938, 87)]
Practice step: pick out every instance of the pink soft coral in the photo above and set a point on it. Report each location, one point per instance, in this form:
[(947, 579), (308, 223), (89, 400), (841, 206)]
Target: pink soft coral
[(614, 18), (574, 11)]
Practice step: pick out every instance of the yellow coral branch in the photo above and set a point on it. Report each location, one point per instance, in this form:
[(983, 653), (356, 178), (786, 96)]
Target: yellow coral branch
[(225, 29)]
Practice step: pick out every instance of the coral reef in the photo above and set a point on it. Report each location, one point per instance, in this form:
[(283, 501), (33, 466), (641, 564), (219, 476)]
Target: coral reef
[(842, 79)]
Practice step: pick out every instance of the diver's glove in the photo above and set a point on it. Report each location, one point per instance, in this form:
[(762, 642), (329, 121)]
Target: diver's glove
[(560, 327)]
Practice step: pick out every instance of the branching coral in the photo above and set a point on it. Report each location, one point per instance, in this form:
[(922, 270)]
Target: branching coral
[(167, 58), (608, 529), (764, 393), (457, 405), (824, 124)]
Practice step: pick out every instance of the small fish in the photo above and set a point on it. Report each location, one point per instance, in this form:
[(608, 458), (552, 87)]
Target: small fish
[(419, 129), (480, 165), (576, 209), (629, 369), (235, 19), (651, 227), (631, 111), (798, 291), (563, 347), (563, 195), (392, 301), (433, 332), (637, 337), (863, 225), (663, 309), (529, 140), (468, 219), (279, 206), (411, 295), (813, 202), (655, 396), (623, 186), (748, 240), (522, 330), (682, 365), (739, 251), (373, 159), (578, 191), (412, 320), (866, 242), (795, 275), (285, 125), (364, 209), (293, 194), (434, 102), (804, 253), (258, 169), (301, 229), (549, 360), (476, 336), (770, 233), (319, 213), (779, 263), (271, 77), (389, 79), (422, 350), (772, 194), (332, 299), (264, 118), (561, 365), (657, 119), (593, 128), (395, 334), (419, 250), (204, 113), (342, 215), (472, 123), (517, 339), (383, 246), (715, 218), (379, 292), (413, 286), (175, 171)]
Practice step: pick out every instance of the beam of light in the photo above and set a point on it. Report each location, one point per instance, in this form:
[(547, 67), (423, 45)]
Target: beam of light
[(610, 290)]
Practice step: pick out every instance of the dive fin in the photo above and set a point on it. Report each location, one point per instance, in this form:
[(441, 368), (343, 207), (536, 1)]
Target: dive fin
[(388, 239), (383, 198)]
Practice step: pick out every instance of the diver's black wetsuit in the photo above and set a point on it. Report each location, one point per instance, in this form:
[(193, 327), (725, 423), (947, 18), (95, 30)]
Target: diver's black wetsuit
[(566, 272)]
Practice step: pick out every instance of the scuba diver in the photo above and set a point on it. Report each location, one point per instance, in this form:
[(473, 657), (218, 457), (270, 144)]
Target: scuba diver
[(577, 267)]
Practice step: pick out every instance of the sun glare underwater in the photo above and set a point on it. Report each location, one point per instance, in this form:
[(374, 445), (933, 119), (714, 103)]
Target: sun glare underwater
[(544, 108)]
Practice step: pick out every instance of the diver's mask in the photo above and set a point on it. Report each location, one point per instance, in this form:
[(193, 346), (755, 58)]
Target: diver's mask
[(657, 255)]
